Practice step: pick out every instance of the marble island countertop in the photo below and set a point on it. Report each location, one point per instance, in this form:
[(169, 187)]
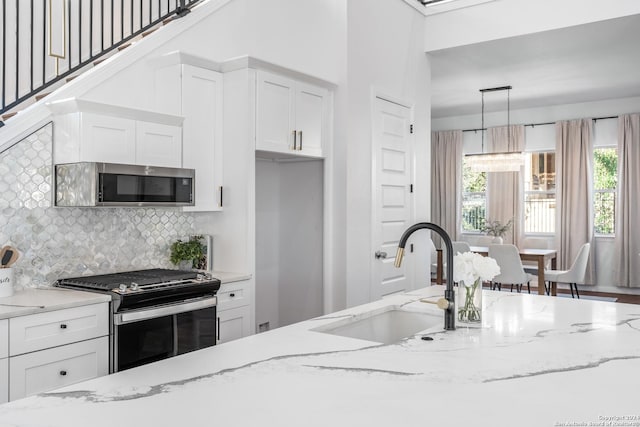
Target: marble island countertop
[(536, 361)]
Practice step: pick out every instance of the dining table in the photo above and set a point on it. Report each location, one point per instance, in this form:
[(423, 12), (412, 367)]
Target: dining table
[(540, 256)]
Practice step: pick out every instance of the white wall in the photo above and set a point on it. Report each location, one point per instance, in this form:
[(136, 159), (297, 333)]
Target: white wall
[(300, 241), (289, 229), (385, 54), (267, 238), (508, 18), (296, 35)]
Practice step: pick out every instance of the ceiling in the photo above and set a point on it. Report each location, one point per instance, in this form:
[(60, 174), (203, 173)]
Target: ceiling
[(584, 63)]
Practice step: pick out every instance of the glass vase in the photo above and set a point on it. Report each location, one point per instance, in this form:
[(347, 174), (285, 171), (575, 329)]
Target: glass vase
[(469, 302)]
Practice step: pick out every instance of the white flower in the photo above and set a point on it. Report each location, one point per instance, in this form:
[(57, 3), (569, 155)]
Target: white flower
[(469, 266)]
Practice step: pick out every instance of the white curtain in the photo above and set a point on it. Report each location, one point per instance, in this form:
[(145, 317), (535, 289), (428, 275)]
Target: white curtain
[(627, 249), (504, 188), (574, 206), (446, 177)]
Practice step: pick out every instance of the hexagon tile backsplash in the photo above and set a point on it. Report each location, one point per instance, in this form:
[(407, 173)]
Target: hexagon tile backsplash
[(63, 242)]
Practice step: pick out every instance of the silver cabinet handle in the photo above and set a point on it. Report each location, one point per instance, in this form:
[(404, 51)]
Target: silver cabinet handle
[(300, 145), (380, 254), (295, 141)]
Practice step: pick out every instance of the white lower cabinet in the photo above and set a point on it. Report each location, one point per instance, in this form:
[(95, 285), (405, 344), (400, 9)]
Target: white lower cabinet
[(234, 311), (4, 362), (53, 368), (53, 349), (233, 324), (4, 338)]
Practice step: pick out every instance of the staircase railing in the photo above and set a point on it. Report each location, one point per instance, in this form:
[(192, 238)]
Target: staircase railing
[(45, 41)]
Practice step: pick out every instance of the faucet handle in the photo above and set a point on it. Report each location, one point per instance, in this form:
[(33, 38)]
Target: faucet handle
[(442, 303)]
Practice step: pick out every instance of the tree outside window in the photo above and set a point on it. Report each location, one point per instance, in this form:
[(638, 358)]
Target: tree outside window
[(605, 180), (474, 199)]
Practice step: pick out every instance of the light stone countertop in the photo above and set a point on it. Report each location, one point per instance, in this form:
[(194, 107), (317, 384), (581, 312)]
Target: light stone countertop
[(229, 277), (38, 300), (536, 361)]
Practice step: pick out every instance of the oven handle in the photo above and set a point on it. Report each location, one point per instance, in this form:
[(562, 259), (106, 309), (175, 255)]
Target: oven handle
[(137, 316)]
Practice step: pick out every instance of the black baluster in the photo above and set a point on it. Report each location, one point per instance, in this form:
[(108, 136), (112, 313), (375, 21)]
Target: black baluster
[(17, 47), (4, 50), (31, 51), (90, 29)]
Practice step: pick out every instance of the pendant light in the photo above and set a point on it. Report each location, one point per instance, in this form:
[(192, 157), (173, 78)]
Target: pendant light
[(496, 162)]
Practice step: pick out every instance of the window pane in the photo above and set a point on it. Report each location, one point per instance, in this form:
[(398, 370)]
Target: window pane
[(605, 179), (540, 171), (604, 204), (540, 212), (473, 211), (540, 197), (605, 168), (474, 199)]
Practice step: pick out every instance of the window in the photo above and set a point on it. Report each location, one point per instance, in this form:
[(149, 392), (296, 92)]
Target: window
[(540, 192), (474, 199), (605, 179)]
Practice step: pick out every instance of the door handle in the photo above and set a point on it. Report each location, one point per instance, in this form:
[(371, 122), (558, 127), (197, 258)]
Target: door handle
[(380, 254)]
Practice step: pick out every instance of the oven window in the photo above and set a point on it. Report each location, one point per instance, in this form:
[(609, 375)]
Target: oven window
[(196, 329), (144, 342)]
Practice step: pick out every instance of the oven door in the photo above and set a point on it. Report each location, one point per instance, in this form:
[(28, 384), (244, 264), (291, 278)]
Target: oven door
[(152, 334)]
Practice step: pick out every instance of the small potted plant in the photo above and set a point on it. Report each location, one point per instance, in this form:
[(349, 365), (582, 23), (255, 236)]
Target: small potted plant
[(497, 229), (191, 251)]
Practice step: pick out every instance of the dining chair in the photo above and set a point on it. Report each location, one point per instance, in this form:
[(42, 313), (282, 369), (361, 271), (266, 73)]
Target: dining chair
[(460, 247), (533, 243), (511, 271), (574, 276)]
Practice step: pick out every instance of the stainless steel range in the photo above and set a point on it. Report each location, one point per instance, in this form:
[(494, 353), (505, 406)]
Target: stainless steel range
[(156, 313)]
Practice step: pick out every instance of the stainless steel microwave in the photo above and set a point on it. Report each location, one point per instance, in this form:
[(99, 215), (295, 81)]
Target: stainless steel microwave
[(89, 184)]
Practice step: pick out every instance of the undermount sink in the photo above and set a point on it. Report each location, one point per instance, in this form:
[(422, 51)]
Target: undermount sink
[(387, 325)]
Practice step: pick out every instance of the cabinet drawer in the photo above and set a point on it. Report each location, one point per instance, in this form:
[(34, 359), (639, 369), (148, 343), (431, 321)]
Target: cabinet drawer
[(232, 295), (54, 328), (4, 338), (4, 380), (53, 368)]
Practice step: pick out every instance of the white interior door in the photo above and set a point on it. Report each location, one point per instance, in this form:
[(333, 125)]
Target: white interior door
[(391, 201)]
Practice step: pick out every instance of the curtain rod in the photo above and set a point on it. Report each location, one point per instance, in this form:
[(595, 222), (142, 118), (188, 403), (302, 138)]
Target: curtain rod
[(595, 119)]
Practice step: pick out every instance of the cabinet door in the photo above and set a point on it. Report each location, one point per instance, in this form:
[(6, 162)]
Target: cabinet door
[(233, 324), (311, 119), (107, 139), (53, 368), (275, 98), (4, 338), (158, 145), (4, 380), (202, 92)]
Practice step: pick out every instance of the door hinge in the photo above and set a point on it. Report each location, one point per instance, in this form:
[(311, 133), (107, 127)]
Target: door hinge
[(411, 128), (410, 188), (411, 248)]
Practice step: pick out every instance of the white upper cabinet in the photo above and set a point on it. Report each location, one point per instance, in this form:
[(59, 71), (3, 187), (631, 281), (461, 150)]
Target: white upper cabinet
[(107, 139), (158, 145), (291, 116), (196, 93), (87, 131)]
